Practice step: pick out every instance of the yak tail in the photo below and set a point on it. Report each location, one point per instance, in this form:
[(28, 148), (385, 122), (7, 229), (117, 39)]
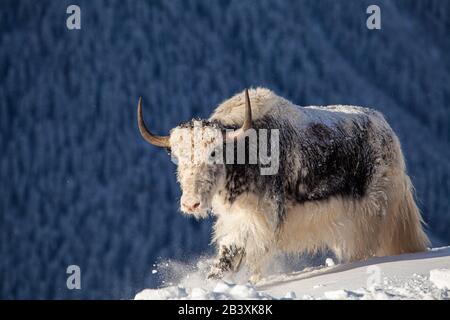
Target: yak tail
[(403, 229)]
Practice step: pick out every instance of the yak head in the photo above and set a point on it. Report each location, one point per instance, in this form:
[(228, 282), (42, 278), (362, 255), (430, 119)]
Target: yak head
[(198, 148)]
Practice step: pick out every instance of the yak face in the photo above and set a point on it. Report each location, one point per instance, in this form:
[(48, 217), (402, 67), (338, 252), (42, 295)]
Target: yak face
[(197, 148)]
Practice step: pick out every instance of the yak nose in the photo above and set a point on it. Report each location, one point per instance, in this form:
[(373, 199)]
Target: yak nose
[(190, 205)]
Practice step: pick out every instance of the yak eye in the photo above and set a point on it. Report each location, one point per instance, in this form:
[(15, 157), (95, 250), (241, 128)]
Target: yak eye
[(213, 154)]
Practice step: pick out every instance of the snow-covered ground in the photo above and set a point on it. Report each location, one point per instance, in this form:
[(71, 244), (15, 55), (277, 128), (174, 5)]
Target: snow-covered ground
[(410, 276)]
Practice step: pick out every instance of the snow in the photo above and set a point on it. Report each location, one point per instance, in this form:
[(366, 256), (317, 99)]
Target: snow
[(423, 275), (329, 262), (336, 295), (290, 295), (222, 287), (440, 278), (222, 291), (167, 293)]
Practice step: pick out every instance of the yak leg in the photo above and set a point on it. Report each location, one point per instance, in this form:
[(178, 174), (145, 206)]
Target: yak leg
[(228, 259), (256, 264)]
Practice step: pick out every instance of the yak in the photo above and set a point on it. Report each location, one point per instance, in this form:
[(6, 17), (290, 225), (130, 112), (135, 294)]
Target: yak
[(340, 182)]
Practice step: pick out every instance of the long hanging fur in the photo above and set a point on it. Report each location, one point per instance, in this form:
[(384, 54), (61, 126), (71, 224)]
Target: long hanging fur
[(341, 185), (363, 208)]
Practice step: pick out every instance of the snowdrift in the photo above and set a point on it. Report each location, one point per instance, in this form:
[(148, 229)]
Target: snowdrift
[(409, 276)]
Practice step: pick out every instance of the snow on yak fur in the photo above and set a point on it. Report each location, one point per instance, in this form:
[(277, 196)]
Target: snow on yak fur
[(341, 184)]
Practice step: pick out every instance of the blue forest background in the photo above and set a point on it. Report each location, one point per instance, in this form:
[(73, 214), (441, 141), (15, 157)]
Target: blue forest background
[(79, 186)]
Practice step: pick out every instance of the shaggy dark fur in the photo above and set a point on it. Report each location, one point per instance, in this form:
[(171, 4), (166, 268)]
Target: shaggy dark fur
[(335, 160)]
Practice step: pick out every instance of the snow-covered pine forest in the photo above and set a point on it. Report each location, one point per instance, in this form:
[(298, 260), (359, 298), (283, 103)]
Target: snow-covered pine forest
[(79, 186)]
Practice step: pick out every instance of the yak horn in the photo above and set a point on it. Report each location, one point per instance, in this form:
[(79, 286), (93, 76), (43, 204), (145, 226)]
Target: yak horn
[(247, 121), (159, 141)]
